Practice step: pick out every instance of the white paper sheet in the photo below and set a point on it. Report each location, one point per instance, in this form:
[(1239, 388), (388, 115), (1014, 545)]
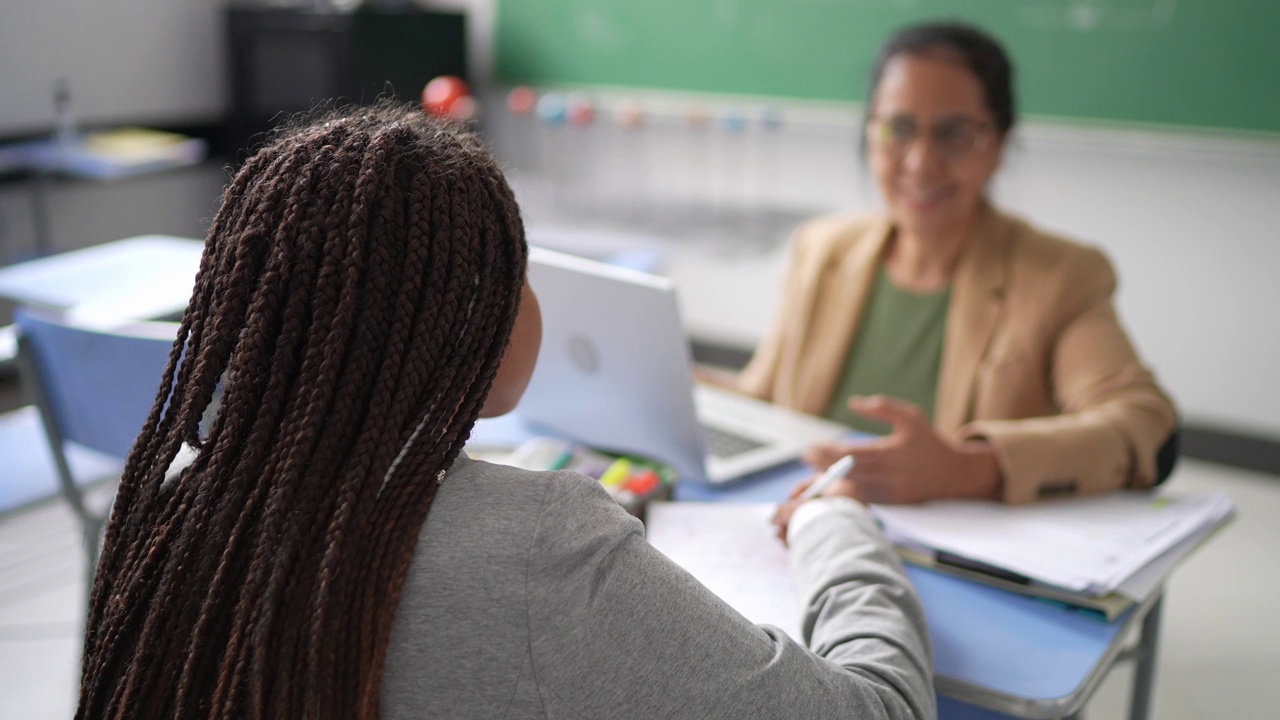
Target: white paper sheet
[(730, 548)]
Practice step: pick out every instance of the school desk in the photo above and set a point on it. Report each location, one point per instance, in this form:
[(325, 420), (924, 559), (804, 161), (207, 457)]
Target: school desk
[(996, 653)]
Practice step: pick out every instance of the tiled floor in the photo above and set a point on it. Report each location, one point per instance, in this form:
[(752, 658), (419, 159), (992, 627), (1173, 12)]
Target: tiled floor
[(1219, 653), (42, 592)]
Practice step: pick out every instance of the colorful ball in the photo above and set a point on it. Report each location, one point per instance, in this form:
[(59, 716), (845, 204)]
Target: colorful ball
[(771, 118), (733, 120), (697, 116), (521, 100), (464, 108), (628, 113), (579, 110), (551, 108), (439, 96)]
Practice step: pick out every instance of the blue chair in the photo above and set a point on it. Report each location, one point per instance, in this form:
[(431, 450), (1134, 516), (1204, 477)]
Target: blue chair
[(94, 388)]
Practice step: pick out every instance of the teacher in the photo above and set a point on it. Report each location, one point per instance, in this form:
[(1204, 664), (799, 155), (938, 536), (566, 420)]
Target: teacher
[(986, 351)]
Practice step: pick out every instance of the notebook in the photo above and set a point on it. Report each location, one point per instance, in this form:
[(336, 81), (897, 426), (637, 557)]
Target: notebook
[(615, 372)]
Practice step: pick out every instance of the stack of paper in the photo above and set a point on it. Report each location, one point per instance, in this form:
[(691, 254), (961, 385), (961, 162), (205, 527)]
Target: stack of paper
[(1123, 543)]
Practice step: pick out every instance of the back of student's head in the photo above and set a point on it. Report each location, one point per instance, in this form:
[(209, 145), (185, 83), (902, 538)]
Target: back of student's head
[(358, 287)]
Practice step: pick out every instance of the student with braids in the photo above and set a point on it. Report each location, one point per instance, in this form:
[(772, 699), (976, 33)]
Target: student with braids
[(331, 553)]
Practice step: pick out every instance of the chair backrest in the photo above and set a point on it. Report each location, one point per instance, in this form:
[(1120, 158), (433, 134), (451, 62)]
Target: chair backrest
[(96, 385)]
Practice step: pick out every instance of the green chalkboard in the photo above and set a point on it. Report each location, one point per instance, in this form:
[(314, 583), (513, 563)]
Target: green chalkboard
[(1200, 63)]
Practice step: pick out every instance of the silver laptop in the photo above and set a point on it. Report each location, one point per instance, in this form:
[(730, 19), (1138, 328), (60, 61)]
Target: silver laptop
[(616, 373)]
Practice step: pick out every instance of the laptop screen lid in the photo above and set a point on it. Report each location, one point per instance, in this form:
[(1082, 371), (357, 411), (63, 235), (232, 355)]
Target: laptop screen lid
[(615, 370)]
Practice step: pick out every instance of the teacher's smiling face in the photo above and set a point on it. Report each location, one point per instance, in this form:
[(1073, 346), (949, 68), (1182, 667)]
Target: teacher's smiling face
[(933, 143)]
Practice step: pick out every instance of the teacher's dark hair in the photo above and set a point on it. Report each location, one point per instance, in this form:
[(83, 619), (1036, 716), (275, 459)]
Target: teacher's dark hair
[(978, 51), (358, 288)]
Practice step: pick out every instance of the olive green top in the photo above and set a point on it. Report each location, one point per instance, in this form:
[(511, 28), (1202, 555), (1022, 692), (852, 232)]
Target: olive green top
[(898, 352)]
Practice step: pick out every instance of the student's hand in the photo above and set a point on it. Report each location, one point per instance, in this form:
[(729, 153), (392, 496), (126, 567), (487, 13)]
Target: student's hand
[(911, 464), (782, 516)]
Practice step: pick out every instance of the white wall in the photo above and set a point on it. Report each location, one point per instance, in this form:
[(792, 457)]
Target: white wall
[(1194, 228), (1191, 221), (155, 61)]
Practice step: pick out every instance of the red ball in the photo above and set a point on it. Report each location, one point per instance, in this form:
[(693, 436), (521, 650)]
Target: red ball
[(464, 108), (441, 93)]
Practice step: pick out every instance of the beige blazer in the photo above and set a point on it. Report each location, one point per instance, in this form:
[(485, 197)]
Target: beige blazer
[(1034, 360)]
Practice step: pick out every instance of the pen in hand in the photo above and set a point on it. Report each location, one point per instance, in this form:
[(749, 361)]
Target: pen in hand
[(782, 516), (838, 469)]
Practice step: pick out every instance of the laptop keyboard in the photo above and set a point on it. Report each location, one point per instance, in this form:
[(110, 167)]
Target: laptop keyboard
[(724, 444)]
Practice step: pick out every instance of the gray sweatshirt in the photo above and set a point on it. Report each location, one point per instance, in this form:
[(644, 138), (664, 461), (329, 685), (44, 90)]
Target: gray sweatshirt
[(534, 595)]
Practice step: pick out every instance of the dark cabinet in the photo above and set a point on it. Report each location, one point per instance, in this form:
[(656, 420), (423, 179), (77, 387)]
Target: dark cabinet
[(290, 60)]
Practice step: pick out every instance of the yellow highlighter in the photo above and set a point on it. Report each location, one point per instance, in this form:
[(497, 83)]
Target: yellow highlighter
[(617, 473)]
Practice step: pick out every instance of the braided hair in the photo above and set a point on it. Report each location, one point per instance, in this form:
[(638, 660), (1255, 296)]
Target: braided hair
[(357, 291)]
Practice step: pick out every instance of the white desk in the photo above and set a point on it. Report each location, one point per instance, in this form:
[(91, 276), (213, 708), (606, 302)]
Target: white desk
[(139, 278)]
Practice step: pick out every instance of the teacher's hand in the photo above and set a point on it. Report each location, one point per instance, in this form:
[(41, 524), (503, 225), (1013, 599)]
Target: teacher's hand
[(911, 464)]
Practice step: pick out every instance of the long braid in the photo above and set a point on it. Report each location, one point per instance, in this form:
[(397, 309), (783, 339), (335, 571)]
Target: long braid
[(405, 512), (151, 474), (245, 262), (300, 277), (164, 547), (358, 288)]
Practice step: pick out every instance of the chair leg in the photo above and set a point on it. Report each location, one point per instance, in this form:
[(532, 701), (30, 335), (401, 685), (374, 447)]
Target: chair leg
[(1145, 664)]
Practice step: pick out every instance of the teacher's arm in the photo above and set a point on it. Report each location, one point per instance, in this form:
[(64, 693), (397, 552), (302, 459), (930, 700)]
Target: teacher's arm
[(1114, 416)]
